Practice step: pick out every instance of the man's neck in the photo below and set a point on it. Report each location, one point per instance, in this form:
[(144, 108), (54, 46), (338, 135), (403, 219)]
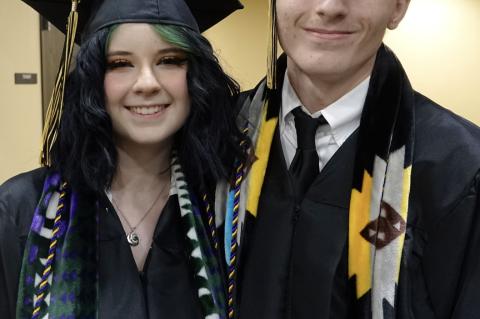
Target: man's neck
[(316, 92)]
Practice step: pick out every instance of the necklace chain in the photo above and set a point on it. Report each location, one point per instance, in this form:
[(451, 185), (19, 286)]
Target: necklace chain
[(132, 237)]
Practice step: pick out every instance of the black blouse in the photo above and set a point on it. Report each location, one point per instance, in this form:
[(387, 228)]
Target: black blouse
[(165, 287)]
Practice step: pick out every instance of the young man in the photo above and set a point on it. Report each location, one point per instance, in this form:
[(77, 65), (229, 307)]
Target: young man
[(363, 199)]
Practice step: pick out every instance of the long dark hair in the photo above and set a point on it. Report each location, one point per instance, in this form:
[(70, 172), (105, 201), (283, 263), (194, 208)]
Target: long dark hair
[(207, 144)]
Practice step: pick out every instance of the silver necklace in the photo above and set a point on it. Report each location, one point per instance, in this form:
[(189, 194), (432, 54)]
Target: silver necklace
[(132, 237)]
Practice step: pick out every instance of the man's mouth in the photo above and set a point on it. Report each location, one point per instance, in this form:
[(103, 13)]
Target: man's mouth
[(328, 33)]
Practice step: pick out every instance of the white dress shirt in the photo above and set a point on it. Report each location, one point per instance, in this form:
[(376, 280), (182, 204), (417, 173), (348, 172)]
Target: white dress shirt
[(343, 117)]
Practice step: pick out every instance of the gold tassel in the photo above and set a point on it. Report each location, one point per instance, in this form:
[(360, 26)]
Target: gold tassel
[(272, 46), (55, 106)]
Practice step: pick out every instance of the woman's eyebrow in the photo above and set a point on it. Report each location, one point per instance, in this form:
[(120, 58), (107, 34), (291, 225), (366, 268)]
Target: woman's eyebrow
[(170, 50), (121, 53), (161, 51)]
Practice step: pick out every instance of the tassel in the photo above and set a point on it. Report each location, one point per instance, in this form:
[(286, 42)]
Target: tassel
[(55, 106), (272, 46)]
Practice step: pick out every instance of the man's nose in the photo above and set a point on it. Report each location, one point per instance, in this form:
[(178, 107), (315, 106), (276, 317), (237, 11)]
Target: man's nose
[(331, 9)]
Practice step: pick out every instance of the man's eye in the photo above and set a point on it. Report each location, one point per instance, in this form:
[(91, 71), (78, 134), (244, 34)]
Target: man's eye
[(118, 64), (172, 60)]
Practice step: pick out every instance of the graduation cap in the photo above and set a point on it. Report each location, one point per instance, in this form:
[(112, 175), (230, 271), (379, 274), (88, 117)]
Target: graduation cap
[(93, 15), (85, 17)]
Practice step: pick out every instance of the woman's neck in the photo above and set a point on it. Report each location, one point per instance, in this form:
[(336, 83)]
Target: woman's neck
[(140, 190), (141, 168)]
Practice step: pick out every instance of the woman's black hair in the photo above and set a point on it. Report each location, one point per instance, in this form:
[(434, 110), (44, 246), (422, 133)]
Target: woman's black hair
[(207, 145)]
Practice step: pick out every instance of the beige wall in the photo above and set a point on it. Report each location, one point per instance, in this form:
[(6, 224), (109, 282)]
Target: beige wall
[(439, 46), (20, 107), (240, 42), (438, 43)]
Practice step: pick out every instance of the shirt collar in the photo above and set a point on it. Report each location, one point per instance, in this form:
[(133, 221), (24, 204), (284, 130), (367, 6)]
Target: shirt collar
[(343, 115)]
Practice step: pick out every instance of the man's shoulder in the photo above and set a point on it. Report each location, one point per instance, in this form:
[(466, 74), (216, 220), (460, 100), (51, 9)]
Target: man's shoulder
[(434, 121), (247, 95), (446, 148), (441, 133), (244, 95), (249, 104)]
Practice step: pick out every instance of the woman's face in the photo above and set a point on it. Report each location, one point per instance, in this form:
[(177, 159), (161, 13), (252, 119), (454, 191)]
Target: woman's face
[(145, 85)]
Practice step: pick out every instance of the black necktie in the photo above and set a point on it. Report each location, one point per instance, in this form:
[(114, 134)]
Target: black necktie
[(304, 167)]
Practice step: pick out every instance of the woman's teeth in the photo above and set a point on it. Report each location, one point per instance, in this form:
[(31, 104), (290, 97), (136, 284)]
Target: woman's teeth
[(147, 110)]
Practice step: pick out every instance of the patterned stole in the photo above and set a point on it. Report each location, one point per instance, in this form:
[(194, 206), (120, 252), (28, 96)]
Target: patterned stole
[(59, 270), (58, 276), (381, 188), (381, 183)]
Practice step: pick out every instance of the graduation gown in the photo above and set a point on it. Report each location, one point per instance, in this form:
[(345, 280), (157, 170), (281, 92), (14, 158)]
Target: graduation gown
[(293, 260), (165, 287), (301, 252)]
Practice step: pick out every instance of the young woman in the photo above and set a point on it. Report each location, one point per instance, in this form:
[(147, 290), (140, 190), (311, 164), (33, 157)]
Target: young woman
[(119, 225)]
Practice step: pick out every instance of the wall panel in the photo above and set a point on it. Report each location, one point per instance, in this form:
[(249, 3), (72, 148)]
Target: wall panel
[(21, 105)]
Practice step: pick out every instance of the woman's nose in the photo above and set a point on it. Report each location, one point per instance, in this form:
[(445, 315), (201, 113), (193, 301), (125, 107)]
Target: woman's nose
[(147, 82)]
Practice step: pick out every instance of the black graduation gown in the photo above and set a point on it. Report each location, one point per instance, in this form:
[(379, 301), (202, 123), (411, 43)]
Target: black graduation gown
[(300, 252), (165, 289), (293, 262)]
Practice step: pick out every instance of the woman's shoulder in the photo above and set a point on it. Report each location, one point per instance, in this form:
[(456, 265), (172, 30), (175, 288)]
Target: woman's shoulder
[(23, 183), (20, 194)]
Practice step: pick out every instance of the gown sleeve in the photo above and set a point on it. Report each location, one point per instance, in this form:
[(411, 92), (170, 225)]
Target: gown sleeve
[(468, 295), (452, 259), (18, 199), (10, 260)]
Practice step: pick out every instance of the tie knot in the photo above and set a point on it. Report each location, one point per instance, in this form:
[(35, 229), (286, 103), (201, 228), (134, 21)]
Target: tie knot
[(306, 127)]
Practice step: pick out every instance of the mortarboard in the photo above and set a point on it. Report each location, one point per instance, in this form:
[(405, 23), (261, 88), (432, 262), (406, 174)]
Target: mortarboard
[(84, 17), (93, 15)]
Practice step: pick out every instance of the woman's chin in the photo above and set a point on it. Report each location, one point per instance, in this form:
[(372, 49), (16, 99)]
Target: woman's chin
[(146, 141)]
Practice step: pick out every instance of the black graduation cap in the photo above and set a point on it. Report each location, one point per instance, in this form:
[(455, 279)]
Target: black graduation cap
[(93, 15), (84, 17)]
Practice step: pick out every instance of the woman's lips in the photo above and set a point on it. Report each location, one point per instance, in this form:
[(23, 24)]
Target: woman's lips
[(146, 110)]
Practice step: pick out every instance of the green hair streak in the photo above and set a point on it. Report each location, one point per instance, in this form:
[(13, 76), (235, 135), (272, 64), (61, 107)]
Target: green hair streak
[(172, 34)]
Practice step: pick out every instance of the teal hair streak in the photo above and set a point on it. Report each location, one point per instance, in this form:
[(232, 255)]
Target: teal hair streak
[(171, 34), (174, 35)]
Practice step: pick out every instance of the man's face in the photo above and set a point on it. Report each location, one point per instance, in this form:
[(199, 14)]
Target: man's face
[(335, 39)]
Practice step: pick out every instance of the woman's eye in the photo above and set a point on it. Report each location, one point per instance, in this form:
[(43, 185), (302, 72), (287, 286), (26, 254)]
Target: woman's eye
[(172, 60), (114, 64)]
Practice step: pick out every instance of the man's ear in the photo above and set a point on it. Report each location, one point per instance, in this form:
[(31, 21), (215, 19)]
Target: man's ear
[(401, 7)]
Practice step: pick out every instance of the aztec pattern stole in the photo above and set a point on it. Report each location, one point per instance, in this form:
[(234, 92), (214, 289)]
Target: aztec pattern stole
[(381, 188)]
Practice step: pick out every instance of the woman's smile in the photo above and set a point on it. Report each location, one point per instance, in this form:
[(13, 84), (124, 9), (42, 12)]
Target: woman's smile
[(148, 110)]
